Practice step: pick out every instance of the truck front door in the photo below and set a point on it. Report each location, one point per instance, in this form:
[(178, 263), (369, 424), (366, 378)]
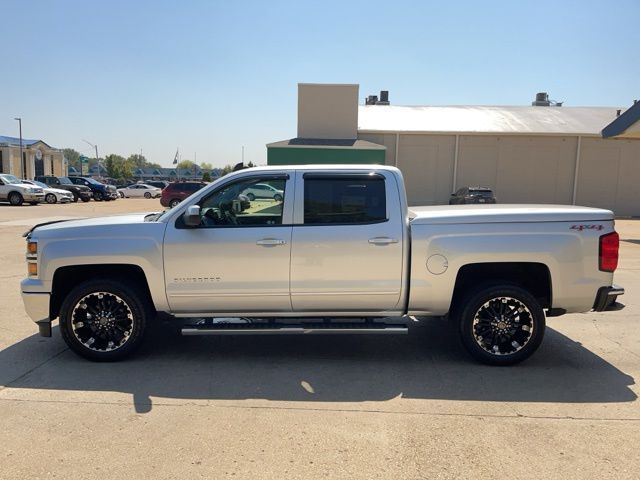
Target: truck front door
[(237, 260)]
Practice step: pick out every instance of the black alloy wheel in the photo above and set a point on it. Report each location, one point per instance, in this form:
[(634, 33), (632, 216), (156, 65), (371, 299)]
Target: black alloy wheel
[(501, 324), (104, 320)]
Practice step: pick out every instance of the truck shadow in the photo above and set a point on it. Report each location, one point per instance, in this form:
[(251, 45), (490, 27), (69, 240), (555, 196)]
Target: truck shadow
[(429, 363)]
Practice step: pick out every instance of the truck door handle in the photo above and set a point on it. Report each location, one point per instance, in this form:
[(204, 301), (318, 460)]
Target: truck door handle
[(271, 241), (382, 240)]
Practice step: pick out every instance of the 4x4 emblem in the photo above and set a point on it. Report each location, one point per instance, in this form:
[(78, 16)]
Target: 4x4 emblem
[(586, 227)]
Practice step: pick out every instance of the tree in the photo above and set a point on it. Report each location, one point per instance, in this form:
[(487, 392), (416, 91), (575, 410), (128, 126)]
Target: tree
[(73, 157), (139, 161), (206, 166), (114, 165), (250, 164), (206, 177), (226, 169), (188, 164)]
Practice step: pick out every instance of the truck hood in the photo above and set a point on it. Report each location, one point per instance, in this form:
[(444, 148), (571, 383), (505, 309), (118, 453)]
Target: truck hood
[(104, 225), (505, 213)]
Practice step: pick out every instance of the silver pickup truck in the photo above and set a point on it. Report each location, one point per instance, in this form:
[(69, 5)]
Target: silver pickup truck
[(320, 250)]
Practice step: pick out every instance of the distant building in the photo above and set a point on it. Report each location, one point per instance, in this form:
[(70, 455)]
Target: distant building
[(152, 173), (543, 153), (38, 158)]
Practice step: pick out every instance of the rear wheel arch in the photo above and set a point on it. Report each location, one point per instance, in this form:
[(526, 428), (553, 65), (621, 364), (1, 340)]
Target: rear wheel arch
[(531, 276), (65, 279)]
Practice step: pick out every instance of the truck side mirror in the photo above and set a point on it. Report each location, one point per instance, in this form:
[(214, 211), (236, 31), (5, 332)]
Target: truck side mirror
[(192, 216)]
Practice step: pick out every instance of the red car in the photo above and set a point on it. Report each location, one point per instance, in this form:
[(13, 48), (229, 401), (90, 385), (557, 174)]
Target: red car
[(175, 192)]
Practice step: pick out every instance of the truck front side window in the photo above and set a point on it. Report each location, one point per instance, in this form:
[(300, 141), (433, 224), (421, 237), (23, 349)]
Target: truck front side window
[(235, 205)]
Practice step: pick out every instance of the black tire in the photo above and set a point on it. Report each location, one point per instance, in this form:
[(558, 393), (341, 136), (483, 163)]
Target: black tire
[(128, 314), (251, 197), (15, 199), (33, 203), (500, 323), (50, 198), (97, 196), (85, 199), (174, 202), (147, 195), (75, 197), (277, 197), (121, 194)]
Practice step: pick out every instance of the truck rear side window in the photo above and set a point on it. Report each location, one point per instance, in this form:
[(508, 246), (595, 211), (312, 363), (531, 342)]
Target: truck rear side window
[(347, 200)]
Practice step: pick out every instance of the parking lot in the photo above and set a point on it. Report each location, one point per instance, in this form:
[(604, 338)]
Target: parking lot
[(411, 406)]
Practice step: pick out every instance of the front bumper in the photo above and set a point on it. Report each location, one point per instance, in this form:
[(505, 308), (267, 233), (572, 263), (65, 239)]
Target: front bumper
[(37, 307), (84, 194), (606, 299), (33, 197)]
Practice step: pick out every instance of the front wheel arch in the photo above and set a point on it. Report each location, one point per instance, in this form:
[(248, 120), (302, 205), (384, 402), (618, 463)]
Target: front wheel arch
[(67, 278)]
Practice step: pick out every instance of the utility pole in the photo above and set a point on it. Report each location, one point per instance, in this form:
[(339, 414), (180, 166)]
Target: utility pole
[(22, 163), (97, 161), (242, 154)]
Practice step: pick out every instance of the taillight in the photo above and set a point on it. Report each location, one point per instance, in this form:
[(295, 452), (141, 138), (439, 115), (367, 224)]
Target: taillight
[(608, 258)]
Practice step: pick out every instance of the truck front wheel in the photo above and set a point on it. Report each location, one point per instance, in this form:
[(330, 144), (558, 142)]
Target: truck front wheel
[(500, 324), (104, 320)]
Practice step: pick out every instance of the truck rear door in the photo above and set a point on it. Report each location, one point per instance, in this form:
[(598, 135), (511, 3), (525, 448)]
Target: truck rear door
[(347, 245)]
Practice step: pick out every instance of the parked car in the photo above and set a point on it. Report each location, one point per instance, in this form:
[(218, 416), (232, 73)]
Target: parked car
[(52, 195), (175, 192), (100, 191), (469, 195), (138, 190), (344, 247), (263, 190), (161, 184), (14, 191), (79, 192)]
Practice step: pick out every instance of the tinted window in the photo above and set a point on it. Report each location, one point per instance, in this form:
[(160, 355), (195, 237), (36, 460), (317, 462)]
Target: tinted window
[(344, 200)]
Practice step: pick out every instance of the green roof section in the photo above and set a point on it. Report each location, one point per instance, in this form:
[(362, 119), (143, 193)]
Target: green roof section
[(305, 151)]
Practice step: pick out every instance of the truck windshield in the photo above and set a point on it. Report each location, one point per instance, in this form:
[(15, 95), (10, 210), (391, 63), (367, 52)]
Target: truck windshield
[(92, 181)]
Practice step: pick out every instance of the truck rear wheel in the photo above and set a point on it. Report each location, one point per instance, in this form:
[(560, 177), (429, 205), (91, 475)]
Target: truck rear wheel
[(104, 320), (500, 324)]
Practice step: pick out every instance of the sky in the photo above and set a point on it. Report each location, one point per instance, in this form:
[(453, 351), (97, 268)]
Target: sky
[(209, 77)]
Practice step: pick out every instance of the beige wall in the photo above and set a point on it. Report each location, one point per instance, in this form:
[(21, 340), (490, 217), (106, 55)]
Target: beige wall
[(327, 111), (49, 156), (609, 175), (520, 169)]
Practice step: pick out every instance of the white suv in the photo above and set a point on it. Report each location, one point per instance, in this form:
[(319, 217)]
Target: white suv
[(263, 190), (16, 193)]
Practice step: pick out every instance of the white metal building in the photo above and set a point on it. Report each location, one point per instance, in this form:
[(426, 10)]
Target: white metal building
[(532, 154), (543, 153)]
